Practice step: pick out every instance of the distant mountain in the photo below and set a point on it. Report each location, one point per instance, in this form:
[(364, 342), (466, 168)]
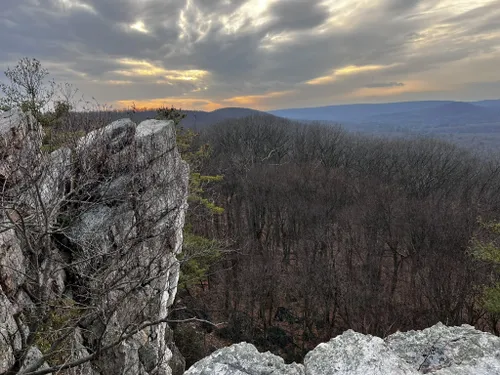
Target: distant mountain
[(404, 114), (353, 112), (474, 125), (447, 114), (198, 119), (488, 103)]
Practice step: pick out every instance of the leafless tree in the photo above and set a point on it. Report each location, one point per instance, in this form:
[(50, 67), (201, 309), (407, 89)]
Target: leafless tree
[(345, 231), (94, 228), (28, 87)]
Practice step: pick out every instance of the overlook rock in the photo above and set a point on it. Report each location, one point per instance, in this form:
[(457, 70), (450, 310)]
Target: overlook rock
[(88, 240), (438, 350)]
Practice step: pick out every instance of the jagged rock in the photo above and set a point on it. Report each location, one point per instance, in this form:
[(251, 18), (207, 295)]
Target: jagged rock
[(10, 340), (446, 350), (12, 262), (154, 139), (34, 354), (177, 363), (79, 351), (114, 136), (116, 203), (56, 174), (355, 354), (20, 142), (438, 350), (243, 359), (149, 165), (126, 358)]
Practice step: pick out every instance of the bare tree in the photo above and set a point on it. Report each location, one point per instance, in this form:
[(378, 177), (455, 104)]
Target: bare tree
[(95, 227), (27, 88)]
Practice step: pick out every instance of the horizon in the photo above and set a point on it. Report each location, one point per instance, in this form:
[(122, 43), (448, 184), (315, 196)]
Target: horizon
[(334, 105), (261, 54)]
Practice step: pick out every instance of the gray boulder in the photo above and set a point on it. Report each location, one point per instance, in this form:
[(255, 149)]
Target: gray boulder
[(105, 217), (10, 340), (446, 350), (20, 142), (355, 354), (243, 359), (438, 350)]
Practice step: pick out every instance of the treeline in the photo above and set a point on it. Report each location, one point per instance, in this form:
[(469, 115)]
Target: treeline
[(331, 231)]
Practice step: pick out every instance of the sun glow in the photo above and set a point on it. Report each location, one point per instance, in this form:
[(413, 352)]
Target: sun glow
[(134, 68), (253, 12), (140, 27), (346, 71), (184, 103)]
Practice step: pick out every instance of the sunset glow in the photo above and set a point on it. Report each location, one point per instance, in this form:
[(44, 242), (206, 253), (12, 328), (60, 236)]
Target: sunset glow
[(260, 53)]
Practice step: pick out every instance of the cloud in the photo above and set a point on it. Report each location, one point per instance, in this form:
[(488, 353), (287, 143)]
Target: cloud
[(255, 100), (384, 84), (349, 70), (261, 53), (139, 27)]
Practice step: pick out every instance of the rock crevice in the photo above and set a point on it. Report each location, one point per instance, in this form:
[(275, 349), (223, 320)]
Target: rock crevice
[(88, 244)]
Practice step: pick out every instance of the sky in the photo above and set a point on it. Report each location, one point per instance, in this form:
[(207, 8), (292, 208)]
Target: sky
[(262, 54)]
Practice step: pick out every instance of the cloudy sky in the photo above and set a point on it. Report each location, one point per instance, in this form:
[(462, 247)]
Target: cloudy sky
[(264, 54)]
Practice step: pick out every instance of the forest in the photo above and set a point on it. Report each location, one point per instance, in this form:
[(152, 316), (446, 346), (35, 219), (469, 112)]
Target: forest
[(324, 230), (297, 232)]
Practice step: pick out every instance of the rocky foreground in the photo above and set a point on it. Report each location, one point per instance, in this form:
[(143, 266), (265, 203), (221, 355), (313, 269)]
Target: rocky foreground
[(88, 240), (438, 350)]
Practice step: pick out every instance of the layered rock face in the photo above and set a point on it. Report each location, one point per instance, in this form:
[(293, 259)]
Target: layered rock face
[(438, 350), (88, 239)]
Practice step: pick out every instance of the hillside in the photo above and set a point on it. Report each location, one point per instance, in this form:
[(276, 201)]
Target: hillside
[(324, 230), (474, 125), (198, 120), (352, 112), (446, 114), (423, 113)]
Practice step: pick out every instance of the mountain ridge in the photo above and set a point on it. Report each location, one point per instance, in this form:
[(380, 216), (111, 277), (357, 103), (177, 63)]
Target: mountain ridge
[(382, 112)]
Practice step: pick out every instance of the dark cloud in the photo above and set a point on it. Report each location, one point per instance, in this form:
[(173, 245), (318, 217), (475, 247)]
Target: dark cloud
[(219, 6), (248, 49), (297, 15), (401, 6)]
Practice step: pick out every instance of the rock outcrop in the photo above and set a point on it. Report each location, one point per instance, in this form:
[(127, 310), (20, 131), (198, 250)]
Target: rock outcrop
[(243, 359), (88, 244), (438, 350)]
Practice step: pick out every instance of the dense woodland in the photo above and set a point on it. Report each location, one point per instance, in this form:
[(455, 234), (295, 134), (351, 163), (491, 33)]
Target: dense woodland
[(297, 232), (313, 230), (324, 231)]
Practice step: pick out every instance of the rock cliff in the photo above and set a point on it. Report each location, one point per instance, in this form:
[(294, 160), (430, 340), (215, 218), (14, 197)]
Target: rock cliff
[(88, 240), (437, 350)]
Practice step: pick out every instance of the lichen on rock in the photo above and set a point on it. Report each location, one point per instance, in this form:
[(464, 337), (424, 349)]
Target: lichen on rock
[(438, 350), (88, 243)]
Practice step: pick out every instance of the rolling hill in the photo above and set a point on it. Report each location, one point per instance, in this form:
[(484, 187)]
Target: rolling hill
[(474, 125), (198, 120), (421, 113)]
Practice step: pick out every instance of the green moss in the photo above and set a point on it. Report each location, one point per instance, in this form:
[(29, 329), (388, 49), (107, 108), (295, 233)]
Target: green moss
[(61, 317), (54, 140)]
